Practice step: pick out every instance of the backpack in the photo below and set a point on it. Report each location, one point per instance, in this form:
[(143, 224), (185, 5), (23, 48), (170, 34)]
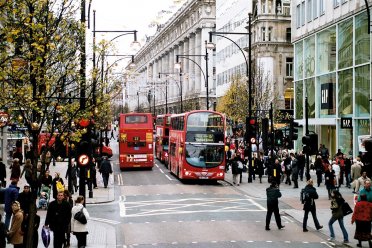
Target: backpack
[(304, 195)]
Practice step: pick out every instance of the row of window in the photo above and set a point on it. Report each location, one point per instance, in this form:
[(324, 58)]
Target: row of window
[(315, 8)]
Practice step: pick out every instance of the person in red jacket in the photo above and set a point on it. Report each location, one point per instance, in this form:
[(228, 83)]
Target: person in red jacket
[(362, 217)]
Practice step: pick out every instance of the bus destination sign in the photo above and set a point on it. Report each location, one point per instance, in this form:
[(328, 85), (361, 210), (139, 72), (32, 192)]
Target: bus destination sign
[(204, 137)]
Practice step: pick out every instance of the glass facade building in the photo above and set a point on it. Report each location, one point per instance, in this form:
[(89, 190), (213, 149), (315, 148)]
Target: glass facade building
[(333, 70)]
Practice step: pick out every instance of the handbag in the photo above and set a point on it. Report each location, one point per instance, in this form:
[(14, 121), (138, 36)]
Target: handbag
[(240, 165), (80, 216), (346, 209)]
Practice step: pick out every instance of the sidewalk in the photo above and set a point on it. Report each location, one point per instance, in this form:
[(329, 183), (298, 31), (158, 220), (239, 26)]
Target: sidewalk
[(289, 204), (100, 234)]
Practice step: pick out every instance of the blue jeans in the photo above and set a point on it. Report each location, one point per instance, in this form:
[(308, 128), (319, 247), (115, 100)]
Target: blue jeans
[(341, 222)]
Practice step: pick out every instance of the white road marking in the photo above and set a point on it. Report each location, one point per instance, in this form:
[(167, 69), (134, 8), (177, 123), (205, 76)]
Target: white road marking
[(257, 204), (161, 171), (325, 243), (123, 211), (168, 177), (288, 219), (113, 222)]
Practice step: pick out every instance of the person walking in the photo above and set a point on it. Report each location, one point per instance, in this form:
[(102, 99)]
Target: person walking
[(68, 198), (73, 173), (25, 199), (15, 172), (362, 216), (273, 194), (301, 160), (348, 171), (309, 205), (329, 177), (337, 214), (27, 171), (105, 170), (276, 172), (2, 173), (58, 218), (10, 195), (57, 184), (356, 172), (318, 166), (366, 191), (259, 164), (361, 181), (77, 228), (15, 234), (234, 168), (294, 166)]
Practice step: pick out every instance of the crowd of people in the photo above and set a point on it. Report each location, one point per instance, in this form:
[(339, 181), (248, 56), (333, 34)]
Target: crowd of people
[(289, 167), (47, 193)]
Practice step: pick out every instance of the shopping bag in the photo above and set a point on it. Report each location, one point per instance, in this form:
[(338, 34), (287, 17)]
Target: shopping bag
[(111, 179), (45, 236), (99, 180)]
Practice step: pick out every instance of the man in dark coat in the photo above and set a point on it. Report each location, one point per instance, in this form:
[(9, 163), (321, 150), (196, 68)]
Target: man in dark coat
[(25, 199), (105, 170), (276, 172), (2, 173), (294, 167), (273, 194), (10, 195), (58, 219), (309, 205)]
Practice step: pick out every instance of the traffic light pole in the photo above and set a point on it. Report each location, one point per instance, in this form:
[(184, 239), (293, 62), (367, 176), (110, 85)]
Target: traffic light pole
[(307, 134)]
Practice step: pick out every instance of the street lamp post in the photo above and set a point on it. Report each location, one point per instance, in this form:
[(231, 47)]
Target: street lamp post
[(206, 76), (249, 77)]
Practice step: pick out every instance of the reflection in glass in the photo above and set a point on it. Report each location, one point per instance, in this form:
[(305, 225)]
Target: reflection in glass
[(310, 93), (345, 44), (299, 60), (299, 90), (362, 89), (309, 57), (361, 39), (326, 51), (345, 92), (206, 156)]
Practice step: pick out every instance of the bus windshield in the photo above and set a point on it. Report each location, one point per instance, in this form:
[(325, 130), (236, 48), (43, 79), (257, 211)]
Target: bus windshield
[(133, 119), (205, 122), (205, 156)]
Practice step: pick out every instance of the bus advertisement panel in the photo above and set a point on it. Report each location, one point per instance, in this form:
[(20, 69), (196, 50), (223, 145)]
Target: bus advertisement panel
[(136, 140), (197, 145), (162, 137)]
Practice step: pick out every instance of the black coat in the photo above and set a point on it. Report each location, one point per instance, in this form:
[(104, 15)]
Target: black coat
[(58, 216), (105, 167), (273, 194), (310, 200)]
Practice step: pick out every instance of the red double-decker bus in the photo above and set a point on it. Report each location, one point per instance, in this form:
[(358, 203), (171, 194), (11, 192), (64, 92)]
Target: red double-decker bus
[(197, 145), (136, 140), (162, 137)]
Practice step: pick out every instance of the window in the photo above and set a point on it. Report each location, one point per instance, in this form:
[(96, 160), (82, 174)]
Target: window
[(309, 9), (270, 33), (298, 16), (263, 7), (336, 3), (288, 35), (289, 67), (321, 7), (263, 33), (286, 9), (315, 9), (303, 13)]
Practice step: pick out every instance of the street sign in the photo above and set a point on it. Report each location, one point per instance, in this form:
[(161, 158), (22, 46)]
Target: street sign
[(3, 119), (83, 159)]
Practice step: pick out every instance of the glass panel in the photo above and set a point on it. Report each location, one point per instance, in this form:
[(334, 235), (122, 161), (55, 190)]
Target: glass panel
[(326, 51), (345, 92), (310, 93), (204, 155), (299, 89), (328, 95), (345, 141), (132, 119), (362, 128), (299, 60), (361, 39), (309, 56), (345, 44), (205, 122), (362, 89)]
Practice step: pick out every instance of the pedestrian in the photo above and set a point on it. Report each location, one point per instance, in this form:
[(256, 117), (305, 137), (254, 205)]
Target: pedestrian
[(15, 233), (57, 184), (3, 233), (73, 172), (337, 214), (15, 172), (288, 169), (337, 169), (309, 205), (361, 181), (105, 170), (240, 157), (25, 199), (77, 228), (276, 172), (2, 173), (93, 173), (112, 134), (58, 218), (259, 164), (318, 165), (10, 195), (273, 194), (362, 216), (27, 171), (329, 177), (46, 180), (234, 168), (294, 166), (366, 191), (68, 198), (301, 164), (348, 171)]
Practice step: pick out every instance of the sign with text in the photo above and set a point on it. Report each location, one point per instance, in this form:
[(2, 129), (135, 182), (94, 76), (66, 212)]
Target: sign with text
[(346, 123), (326, 96)]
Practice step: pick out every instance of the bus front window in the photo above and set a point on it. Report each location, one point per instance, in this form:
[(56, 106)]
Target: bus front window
[(206, 156)]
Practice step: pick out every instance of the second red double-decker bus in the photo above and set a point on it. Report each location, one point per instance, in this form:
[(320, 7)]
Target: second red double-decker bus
[(197, 145), (162, 137), (136, 140)]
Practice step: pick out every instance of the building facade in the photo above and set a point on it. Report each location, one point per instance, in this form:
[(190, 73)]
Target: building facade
[(332, 70), (156, 78)]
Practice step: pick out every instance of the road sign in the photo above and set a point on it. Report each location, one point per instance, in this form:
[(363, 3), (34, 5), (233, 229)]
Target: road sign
[(83, 159)]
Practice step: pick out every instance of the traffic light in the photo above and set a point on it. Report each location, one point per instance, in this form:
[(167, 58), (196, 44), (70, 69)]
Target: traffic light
[(279, 137), (251, 129), (293, 130), (310, 144)]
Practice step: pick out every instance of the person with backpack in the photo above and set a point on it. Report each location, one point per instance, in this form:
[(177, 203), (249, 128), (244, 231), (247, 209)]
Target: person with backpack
[(77, 228), (308, 197)]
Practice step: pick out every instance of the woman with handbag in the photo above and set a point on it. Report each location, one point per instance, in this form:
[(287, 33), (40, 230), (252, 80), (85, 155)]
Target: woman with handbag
[(77, 228), (362, 217), (337, 214)]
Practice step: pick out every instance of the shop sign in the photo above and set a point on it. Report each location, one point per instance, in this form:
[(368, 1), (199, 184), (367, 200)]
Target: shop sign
[(327, 96), (4, 117), (346, 123)]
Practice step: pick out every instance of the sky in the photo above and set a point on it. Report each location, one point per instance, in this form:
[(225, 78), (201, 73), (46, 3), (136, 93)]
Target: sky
[(130, 15)]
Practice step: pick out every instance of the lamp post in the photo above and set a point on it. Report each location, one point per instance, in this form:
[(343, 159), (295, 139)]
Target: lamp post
[(177, 65), (166, 90), (248, 74)]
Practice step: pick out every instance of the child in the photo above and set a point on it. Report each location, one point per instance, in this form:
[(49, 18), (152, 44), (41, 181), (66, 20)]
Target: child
[(43, 199)]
